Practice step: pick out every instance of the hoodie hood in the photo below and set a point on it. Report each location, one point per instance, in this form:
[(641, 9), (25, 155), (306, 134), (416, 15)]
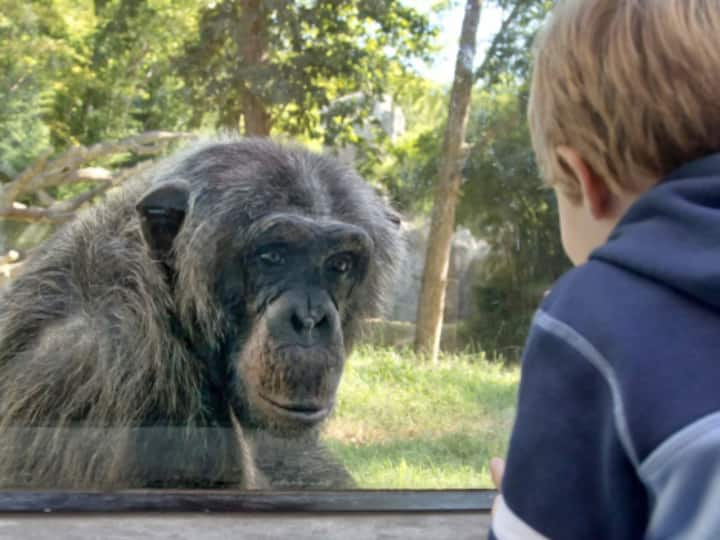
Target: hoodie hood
[(672, 233)]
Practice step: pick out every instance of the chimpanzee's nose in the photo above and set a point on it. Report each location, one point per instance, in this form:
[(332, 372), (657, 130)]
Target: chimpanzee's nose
[(310, 317), (304, 320), (303, 317)]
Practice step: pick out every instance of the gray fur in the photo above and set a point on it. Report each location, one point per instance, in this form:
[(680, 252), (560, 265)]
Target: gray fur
[(96, 387)]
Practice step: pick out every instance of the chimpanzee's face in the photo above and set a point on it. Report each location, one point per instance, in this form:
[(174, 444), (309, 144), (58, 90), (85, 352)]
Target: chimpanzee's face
[(295, 278)]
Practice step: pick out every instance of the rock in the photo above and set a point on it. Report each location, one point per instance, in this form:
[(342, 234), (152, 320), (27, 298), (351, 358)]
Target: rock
[(467, 255)]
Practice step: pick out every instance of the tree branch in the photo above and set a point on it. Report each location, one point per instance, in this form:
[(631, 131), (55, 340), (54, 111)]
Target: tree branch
[(35, 214), (58, 213), (10, 191), (45, 198), (62, 211), (497, 39), (65, 169)]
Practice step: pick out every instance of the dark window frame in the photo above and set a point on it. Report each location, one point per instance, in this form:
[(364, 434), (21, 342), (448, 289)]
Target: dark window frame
[(212, 501)]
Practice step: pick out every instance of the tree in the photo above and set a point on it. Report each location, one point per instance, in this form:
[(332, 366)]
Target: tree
[(407, 168), (505, 202), (26, 79), (276, 65), (447, 193), (122, 80)]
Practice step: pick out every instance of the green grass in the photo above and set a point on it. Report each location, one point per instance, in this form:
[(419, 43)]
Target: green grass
[(404, 423)]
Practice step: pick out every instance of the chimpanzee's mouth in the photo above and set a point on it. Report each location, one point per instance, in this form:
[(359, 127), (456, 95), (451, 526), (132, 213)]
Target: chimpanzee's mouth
[(303, 411)]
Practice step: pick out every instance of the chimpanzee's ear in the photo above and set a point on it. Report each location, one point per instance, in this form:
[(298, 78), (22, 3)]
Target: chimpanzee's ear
[(162, 211)]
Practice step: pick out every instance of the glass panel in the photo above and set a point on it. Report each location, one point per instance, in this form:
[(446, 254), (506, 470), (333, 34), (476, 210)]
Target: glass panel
[(183, 311)]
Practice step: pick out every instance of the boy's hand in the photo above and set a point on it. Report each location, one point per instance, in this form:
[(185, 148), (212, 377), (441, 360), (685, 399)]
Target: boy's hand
[(497, 469)]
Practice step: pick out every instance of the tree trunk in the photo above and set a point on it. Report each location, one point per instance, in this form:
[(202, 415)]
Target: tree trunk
[(447, 192), (254, 51), (257, 119)]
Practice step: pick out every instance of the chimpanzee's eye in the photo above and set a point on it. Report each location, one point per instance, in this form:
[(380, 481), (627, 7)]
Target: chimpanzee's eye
[(272, 257), (341, 263)]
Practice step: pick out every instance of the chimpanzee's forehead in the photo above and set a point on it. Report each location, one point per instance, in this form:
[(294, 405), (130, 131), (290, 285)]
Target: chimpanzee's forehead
[(261, 163), (298, 229), (256, 175), (238, 183)]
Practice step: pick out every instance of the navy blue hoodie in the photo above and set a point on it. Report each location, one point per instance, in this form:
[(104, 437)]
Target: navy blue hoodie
[(617, 434)]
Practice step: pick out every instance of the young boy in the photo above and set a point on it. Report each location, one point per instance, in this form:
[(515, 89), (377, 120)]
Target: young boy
[(617, 432)]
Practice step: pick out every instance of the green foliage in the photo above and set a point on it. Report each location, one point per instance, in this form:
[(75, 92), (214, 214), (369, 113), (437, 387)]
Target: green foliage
[(505, 202), (412, 169), (502, 199), (509, 52), (407, 170), (316, 52), (401, 423), (80, 72), (122, 80), (33, 41), (77, 72)]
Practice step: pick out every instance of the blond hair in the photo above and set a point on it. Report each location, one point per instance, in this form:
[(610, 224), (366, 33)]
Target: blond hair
[(632, 85)]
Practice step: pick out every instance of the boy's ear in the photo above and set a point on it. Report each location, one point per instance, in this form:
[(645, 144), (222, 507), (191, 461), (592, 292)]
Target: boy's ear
[(162, 212), (596, 194)]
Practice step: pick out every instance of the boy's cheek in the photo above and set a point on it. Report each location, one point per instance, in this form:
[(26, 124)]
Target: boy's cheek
[(570, 229), (580, 232)]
